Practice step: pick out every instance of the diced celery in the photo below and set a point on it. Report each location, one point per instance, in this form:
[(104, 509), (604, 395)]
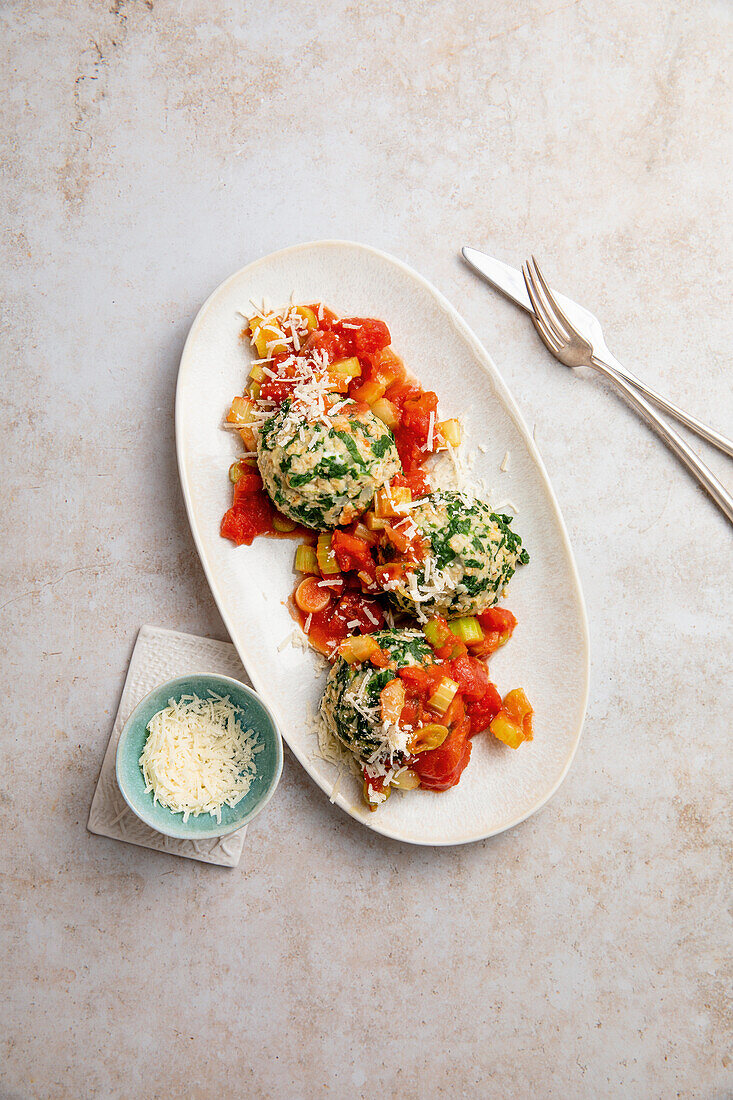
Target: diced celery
[(357, 648), (235, 472), (443, 695), (306, 560), (326, 557), (467, 629), (436, 633), (427, 737), (408, 780), (283, 523), (257, 374)]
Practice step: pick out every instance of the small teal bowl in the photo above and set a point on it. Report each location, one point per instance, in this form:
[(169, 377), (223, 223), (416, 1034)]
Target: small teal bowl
[(252, 714)]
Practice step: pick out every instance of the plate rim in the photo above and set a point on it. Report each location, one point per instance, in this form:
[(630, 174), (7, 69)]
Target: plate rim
[(487, 364)]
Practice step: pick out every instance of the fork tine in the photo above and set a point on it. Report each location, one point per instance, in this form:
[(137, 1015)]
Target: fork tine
[(542, 320), (547, 336), (539, 307), (559, 314)]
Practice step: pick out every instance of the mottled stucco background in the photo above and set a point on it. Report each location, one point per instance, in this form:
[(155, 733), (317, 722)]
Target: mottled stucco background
[(149, 150)]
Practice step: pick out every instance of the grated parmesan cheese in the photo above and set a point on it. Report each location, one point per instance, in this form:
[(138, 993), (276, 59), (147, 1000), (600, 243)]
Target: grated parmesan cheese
[(431, 429), (197, 758), (372, 618)]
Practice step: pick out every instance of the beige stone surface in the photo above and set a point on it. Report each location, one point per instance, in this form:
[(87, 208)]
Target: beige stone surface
[(149, 149)]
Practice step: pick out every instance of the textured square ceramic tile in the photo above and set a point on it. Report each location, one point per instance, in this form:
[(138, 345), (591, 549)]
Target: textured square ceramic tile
[(161, 655)]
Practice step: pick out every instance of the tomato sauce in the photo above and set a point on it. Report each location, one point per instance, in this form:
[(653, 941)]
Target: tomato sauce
[(382, 374), (252, 513), (342, 595), (348, 611)]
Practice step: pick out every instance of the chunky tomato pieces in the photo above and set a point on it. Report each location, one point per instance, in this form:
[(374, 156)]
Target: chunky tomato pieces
[(472, 677), (473, 707), (481, 711), (365, 334), (277, 389), (418, 409), (416, 482), (352, 552), (441, 768), (330, 342), (498, 625), (250, 514), (347, 612), (382, 374), (359, 336)]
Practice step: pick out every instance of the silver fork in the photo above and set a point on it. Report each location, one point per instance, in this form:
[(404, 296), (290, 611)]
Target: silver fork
[(564, 341)]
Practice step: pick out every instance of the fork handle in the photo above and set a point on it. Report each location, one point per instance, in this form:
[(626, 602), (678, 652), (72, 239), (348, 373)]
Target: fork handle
[(675, 442), (695, 425)]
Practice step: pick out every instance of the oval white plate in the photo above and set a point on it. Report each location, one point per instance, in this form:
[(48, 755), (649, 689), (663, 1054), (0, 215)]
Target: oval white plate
[(548, 654)]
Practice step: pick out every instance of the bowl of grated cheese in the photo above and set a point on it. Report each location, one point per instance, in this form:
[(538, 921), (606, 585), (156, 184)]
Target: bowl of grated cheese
[(199, 757)]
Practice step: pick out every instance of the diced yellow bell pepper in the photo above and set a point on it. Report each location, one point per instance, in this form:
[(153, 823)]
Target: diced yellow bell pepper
[(450, 431), (242, 414), (308, 316), (241, 411), (345, 368), (387, 501), (504, 729), (374, 522), (387, 412), (269, 338), (370, 391)]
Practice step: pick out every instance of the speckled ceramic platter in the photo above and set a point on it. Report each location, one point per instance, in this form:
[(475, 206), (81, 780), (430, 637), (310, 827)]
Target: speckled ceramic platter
[(251, 584)]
